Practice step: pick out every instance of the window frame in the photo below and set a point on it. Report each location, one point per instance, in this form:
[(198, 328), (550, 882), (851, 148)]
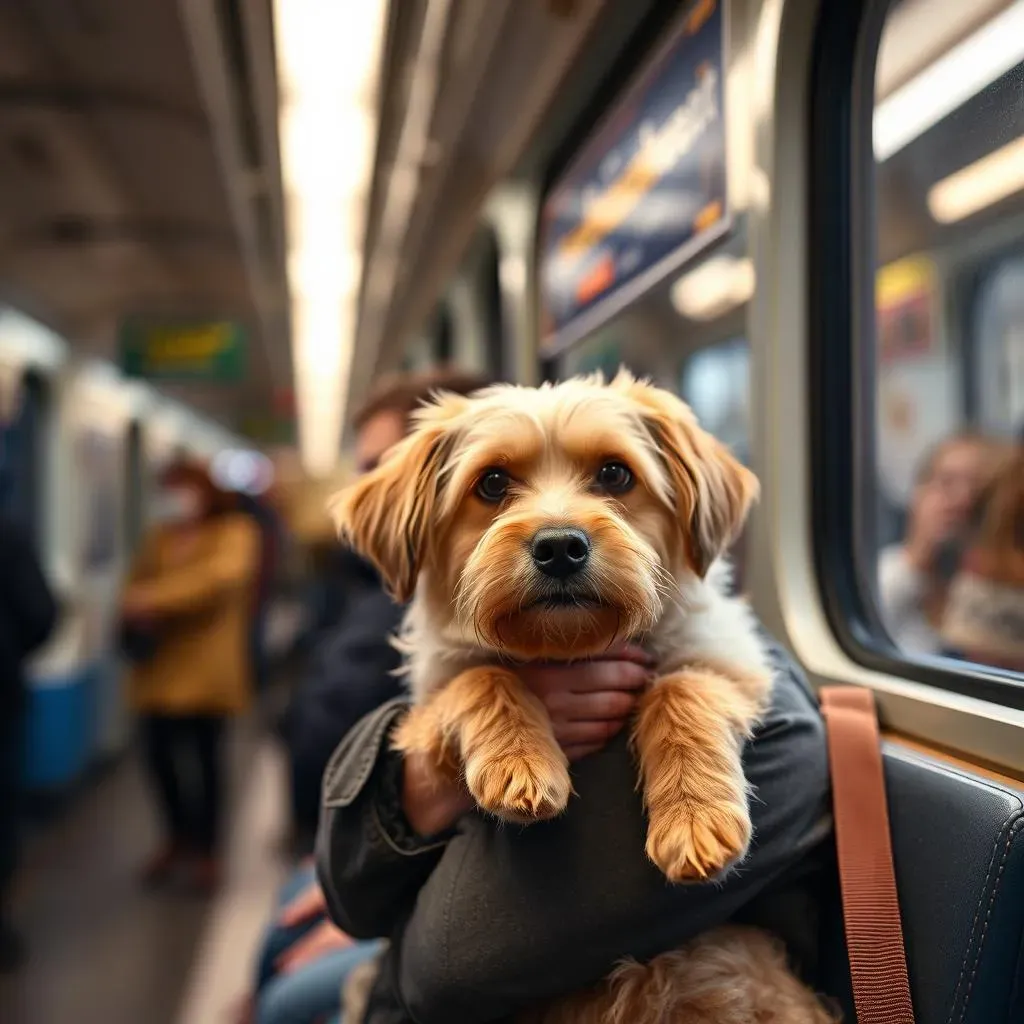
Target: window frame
[(842, 347)]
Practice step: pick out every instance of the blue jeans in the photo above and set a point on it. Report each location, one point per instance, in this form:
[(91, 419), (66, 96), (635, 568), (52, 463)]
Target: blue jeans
[(312, 994), (279, 938)]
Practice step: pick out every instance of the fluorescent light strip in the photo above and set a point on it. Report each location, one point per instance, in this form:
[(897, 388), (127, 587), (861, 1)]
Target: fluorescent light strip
[(328, 57), (982, 184), (951, 81)]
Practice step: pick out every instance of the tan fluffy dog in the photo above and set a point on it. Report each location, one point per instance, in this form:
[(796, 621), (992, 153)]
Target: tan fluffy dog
[(555, 523)]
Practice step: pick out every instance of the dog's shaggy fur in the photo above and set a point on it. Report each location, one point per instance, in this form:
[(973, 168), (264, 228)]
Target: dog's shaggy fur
[(448, 518)]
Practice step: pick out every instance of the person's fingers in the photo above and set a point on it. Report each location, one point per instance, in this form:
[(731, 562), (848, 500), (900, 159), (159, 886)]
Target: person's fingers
[(312, 946), (598, 706), (629, 652), (608, 675), (292, 959), (576, 734), (577, 753), (308, 904)]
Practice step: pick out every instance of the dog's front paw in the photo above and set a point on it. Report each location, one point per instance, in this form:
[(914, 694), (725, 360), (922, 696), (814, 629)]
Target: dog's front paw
[(521, 787), (696, 840)]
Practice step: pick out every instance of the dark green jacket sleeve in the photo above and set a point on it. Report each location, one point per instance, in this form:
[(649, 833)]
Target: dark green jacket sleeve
[(370, 863), (514, 915), (498, 917)]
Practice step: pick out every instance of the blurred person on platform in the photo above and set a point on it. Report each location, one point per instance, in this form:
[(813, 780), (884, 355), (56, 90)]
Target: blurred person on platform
[(186, 618), (28, 614), (914, 576)]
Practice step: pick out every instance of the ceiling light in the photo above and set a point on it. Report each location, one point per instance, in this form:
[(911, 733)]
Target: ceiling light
[(328, 57), (949, 82), (717, 286), (979, 185)]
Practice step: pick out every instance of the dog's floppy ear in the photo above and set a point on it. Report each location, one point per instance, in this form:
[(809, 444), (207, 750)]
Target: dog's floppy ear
[(712, 490), (388, 514)]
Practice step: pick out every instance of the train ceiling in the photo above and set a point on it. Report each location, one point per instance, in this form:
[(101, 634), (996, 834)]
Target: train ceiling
[(138, 155)]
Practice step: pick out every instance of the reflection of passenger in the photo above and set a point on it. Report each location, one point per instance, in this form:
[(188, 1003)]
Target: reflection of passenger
[(191, 589), (913, 577), (984, 617)]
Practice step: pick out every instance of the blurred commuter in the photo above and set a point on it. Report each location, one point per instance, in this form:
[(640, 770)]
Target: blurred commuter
[(27, 616), (914, 577), (984, 615), (271, 532), (305, 958), (352, 667), (190, 595)]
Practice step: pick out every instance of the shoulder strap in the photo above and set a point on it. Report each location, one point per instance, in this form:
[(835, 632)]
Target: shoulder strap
[(871, 910)]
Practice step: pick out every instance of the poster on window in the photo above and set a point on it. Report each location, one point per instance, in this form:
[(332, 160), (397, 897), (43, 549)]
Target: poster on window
[(97, 457), (906, 296)]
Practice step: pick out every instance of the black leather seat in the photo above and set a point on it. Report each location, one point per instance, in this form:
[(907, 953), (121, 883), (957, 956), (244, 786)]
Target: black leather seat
[(958, 842)]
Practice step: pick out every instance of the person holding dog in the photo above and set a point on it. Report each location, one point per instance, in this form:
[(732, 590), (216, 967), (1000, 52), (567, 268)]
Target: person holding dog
[(486, 919)]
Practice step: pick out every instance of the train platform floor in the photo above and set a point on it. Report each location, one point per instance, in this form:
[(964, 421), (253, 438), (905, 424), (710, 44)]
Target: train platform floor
[(102, 949)]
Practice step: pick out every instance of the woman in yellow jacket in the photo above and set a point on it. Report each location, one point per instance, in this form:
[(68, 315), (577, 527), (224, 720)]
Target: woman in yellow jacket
[(189, 599)]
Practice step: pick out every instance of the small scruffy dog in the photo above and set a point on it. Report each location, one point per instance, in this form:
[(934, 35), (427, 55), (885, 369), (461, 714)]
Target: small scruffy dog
[(555, 523)]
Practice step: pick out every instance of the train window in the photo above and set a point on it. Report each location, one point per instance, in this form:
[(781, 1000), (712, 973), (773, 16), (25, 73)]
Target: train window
[(931, 501), (716, 385)]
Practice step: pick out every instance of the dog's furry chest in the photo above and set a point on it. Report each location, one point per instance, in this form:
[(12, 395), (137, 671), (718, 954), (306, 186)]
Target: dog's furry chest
[(703, 623)]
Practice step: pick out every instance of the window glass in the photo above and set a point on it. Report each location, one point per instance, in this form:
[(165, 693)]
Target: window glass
[(716, 385), (946, 463)]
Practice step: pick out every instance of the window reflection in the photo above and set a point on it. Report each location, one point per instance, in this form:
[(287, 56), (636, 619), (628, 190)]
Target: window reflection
[(949, 352)]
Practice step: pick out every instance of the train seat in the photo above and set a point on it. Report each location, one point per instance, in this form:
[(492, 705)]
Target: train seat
[(958, 844)]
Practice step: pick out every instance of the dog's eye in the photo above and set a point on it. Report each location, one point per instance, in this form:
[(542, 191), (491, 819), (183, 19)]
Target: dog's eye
[(615, 477), (493, 484)]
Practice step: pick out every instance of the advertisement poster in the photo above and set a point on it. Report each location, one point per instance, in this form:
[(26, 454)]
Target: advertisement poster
[(647, 192), (906, 297)]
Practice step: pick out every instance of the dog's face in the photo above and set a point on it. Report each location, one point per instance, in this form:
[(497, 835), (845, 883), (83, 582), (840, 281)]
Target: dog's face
[(551, 522)]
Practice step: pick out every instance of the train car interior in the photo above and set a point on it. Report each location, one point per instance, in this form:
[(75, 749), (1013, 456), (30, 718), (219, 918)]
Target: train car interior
[(230, 227)]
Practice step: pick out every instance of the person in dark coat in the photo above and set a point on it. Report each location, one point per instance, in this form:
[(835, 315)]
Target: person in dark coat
[(352, 672), (352, 667), (28, 614)]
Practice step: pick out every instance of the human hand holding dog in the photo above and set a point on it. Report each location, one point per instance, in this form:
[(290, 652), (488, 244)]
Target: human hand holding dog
[(588, 703)]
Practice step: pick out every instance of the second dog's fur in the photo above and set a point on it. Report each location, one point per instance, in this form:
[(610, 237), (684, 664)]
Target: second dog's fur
[(555, 523)]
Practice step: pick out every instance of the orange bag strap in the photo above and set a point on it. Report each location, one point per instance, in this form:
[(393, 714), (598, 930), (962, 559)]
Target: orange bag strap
[(867, 879)]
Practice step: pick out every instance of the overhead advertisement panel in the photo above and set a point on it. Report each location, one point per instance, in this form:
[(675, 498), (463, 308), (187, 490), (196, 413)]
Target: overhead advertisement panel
[(647, 192)]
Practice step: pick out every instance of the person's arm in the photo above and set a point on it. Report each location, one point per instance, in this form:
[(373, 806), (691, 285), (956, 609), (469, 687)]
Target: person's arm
[(511, 916), (231, 565), (371, 861), (386, 821)]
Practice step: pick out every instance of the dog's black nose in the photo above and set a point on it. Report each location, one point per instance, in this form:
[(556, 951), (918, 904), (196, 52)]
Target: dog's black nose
[(560, 551)]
